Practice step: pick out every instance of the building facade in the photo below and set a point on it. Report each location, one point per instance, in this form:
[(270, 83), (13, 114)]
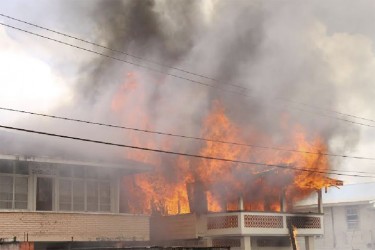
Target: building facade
[(349, 219), (241, 230), (49, 200)]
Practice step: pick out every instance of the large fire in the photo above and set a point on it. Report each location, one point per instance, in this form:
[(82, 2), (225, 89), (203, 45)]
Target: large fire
[(169, 188)]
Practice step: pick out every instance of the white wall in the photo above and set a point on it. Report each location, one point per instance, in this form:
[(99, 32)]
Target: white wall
[(338, 236)]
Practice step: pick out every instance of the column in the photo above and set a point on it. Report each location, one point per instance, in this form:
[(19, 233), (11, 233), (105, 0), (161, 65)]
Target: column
[(208, 242), (309, 243), (246, 243), (320, 201), (283, 203), (240, 203), (115, 194)]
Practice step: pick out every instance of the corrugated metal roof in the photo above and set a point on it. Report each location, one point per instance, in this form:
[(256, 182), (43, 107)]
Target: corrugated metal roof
[(344, 194)]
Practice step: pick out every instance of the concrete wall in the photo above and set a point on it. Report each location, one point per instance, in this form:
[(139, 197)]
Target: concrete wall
[(52, 226), (173, 227), (338, 236)]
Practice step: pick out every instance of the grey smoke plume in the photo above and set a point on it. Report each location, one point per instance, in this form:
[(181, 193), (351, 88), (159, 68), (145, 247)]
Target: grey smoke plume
[(273, 50)]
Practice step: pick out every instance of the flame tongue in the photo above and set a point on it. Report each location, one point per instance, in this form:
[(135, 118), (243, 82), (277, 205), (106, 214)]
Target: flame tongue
[(165, 189)]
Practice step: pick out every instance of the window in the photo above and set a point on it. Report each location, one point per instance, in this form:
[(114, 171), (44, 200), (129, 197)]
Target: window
[(13, 185), (65, 195), (6, 192), (83, 189), (352, 217), (98, 196), (92, 195), (6, 167), (44, 193), (78, 195), (71, 195), (65, 171), (104, 196), (20, 192)]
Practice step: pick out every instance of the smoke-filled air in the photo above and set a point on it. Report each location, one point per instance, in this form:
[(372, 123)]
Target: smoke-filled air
[(244, 72)]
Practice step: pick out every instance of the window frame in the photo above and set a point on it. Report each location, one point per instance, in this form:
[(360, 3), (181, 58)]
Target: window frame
[(352, 224), (85, 179), (14, 176)]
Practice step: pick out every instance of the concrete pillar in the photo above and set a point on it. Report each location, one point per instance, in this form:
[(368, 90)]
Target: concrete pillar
[(309, 243), (31, 193), (246, 243), (240, 203), (320, 201), (208, 242), (115, 194), (283, 203)]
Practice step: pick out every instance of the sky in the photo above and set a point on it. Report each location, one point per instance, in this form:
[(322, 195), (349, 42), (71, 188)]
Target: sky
[(305, 43)]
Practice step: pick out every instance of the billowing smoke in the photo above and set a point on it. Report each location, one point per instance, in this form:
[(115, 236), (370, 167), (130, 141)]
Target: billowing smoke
[(267, 59), (255, 45)]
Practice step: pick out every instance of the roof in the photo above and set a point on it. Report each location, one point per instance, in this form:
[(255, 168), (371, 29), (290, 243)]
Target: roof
[(129, 165), (352, 193), (14, 146)]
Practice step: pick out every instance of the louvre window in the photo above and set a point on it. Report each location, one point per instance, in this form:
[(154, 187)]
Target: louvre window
[(83, 189), (105, 197), (13, 185), (6, 192), (92, 196), (65, 195), (20, 192), (352, 217), (78, 195)]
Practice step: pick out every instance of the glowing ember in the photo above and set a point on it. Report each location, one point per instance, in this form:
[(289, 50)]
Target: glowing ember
[(222, 183)]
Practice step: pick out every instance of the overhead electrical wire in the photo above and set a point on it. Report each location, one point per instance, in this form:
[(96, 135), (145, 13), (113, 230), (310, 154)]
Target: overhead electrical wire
[(124, 61), (173, 75), (175, 68), (169, 134), (335, 117), (183, 136), (185, 154), (328, 110), (184, 78), (119, 51)]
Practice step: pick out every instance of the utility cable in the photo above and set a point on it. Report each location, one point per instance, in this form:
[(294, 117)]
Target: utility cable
[(184, 136), (326, 110), (122, 60), (119, 51), (184, 154), (165, 73), (172, 67)]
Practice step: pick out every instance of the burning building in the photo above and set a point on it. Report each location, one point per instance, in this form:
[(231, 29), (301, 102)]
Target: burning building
[(227, 192), (245, 158), (213, 202), (44, 200)]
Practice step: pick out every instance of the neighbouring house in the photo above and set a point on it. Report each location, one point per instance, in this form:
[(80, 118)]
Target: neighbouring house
[(349, 218), (46, 200)]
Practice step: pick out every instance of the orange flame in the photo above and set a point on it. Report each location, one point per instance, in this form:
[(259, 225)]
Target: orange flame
[(165, 188)]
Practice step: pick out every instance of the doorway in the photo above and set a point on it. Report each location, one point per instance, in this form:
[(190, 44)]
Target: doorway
[(44, 191)]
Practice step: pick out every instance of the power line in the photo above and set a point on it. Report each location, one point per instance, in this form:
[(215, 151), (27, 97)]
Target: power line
[(336, 118), (124, 61), (184, 136), (175, 68), (185, 154), (165, 73), (328, 110), (120, 51)]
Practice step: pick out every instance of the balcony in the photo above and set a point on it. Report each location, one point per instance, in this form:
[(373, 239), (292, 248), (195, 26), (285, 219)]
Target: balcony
[(228, 224), (263, 224)]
